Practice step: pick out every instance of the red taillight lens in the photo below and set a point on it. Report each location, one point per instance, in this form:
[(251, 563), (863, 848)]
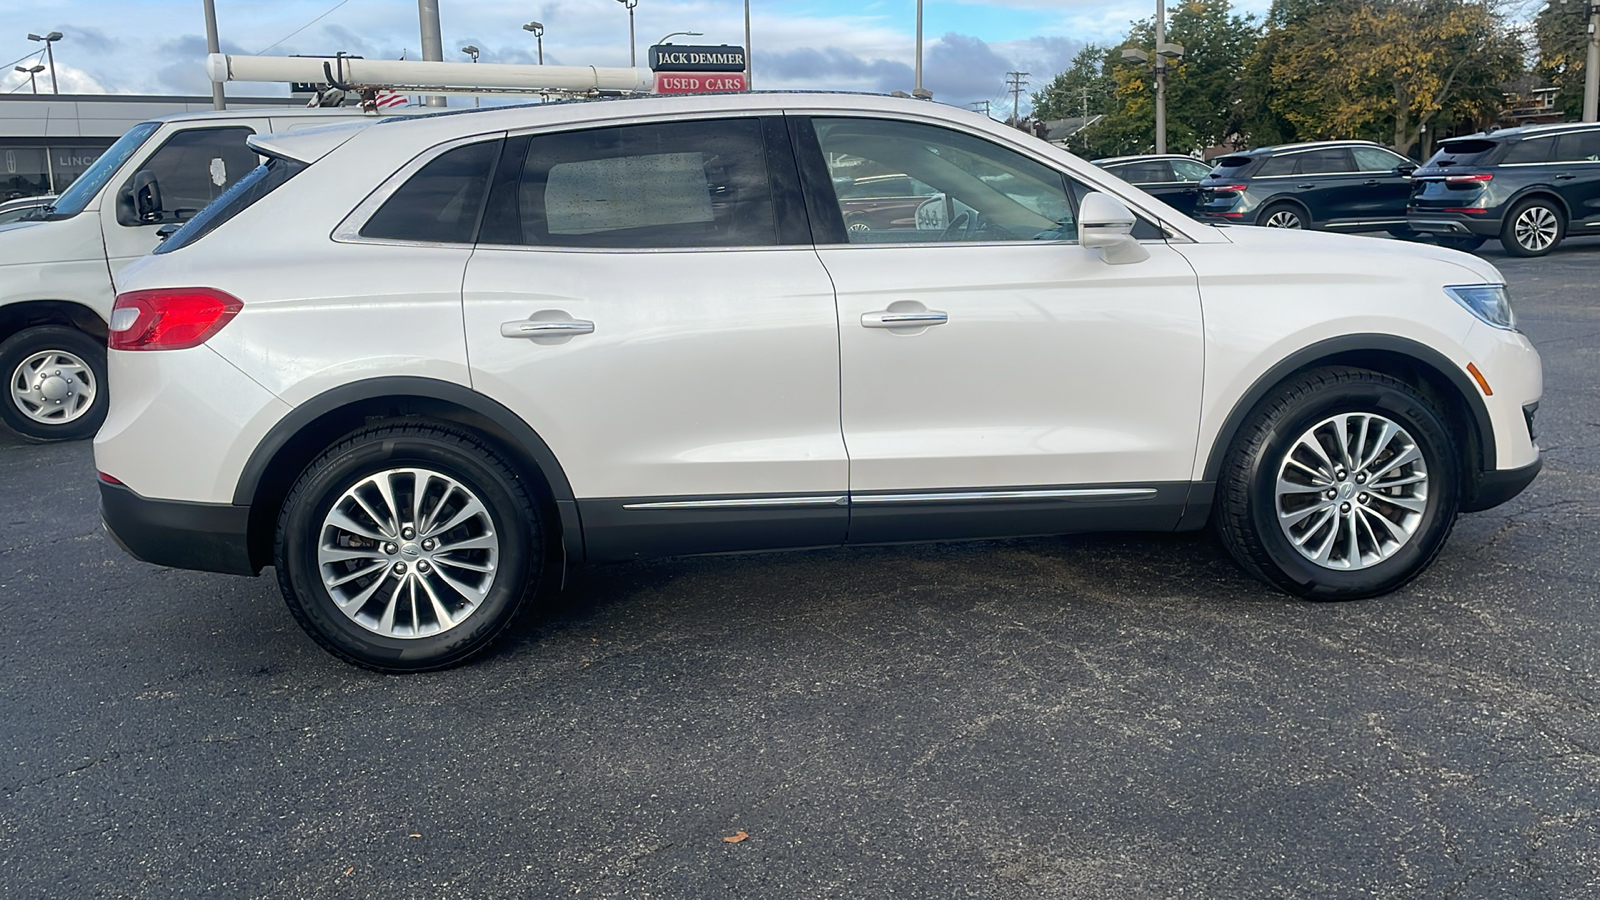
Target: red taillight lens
[(1464, 179), (1228, 187), (169, 319)]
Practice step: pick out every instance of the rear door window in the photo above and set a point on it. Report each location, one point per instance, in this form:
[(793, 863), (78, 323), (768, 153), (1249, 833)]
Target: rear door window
[(1531, 151), (1582, 146), (1150, 171), (1331, 161), (1189, 170)]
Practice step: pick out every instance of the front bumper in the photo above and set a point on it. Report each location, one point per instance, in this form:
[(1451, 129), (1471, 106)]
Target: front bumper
[(209, 537), (1494, 488)]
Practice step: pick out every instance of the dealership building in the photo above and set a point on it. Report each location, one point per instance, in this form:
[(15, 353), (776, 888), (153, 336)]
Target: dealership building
[(47, 140)]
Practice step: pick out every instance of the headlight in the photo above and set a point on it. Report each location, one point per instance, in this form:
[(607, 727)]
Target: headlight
[(1489, 302)]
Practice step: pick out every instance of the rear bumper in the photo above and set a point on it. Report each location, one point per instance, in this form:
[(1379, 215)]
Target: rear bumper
[(1495, 488), (209, 537), (1458, 224)]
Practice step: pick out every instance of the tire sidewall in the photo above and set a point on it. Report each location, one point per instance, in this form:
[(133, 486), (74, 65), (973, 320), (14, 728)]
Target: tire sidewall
[(1275, 208), (1508, 234), (1425, 426), (300, 531), (26, 343)]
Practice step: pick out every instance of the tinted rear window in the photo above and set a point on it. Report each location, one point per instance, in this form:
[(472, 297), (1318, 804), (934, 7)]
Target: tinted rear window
[(440, 203), (1278, 165), (1580, 146), (1462, 153), (1529, 151), (1229, 164)]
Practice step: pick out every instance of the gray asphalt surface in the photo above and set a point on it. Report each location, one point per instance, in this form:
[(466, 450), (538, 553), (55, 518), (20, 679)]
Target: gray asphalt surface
[(1091, 716)]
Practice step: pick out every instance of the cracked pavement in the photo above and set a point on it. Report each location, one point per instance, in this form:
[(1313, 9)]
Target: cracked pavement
[(1089, 716)]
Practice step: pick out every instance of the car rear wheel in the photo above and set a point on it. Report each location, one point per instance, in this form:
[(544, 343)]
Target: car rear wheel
[(1464, 244), (1533, 228), (1283, 215), (56, 383), (1344, 484), (406, 548)]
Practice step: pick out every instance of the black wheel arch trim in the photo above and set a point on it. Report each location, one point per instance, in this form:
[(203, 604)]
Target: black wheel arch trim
[(1539, 192), (1287, 200), (1310, 356), (401, 388)]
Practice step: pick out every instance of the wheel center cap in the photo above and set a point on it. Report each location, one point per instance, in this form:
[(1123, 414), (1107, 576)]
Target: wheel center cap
[(410, 550), (1346, 491), (55, 388)]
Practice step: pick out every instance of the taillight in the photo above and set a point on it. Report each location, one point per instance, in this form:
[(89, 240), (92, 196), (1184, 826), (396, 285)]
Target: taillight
[(1229, 187), (169, 319), (1464, 179)]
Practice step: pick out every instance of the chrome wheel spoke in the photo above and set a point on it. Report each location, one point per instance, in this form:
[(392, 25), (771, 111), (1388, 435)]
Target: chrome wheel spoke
[(337, 518)]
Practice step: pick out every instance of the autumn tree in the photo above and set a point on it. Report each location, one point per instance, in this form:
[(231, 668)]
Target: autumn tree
[(1561, 30)]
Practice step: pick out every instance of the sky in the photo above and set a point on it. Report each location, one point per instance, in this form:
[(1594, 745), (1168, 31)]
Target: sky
[(158, 46)]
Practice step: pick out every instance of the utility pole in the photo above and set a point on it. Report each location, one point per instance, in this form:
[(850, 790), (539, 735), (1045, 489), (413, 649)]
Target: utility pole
[(748, 84), (633, 48), (1016, 84), (1591, 67), (982, 103), (432, 42), (916, 91), (1161, 77), (214, 46)]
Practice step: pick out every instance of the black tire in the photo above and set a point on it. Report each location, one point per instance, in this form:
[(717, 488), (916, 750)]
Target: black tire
[(451, 452), (1247, 519), (1465, 244), (76, 424), (1284, 212), (1534, 227)]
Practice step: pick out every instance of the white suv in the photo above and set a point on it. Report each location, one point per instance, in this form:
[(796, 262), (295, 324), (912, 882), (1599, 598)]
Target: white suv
[(411, 365)]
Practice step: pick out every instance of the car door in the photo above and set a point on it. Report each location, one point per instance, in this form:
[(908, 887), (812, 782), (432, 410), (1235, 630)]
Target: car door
[(185, 171), (1326, 182), (1184, 194), (997, 377), (1577, 178), (1383, 186), (646, 297)]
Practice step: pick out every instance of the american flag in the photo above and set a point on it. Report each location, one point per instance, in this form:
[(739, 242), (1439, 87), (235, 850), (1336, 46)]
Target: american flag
[(390, 98)]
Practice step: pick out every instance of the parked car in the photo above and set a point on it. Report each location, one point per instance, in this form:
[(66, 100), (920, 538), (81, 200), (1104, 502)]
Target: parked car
[(18, 209), (1345, 186), (62, 272), (1530, 187), (1170, 178), (412, 368)]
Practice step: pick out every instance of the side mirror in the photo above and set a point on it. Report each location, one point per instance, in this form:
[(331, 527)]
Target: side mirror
[(1105, 224), (168, 230), (1406, 168), (147, 198)]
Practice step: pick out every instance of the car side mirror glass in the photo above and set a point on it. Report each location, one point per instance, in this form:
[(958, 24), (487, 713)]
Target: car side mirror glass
[(1406, 168), (1105, 224), (147, 198)]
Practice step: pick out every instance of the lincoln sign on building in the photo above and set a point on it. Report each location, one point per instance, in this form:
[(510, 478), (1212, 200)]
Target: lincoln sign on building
[(689, 69)]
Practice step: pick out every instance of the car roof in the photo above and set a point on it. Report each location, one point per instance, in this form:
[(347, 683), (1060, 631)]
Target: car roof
[(1525, 131), (275, 112), (1113, 160), (1305, 145)]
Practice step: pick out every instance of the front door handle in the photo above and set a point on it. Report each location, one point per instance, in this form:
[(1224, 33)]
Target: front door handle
[(1372, 183), (1564, 176), (1305, 187), (884, 318), (525, 328)]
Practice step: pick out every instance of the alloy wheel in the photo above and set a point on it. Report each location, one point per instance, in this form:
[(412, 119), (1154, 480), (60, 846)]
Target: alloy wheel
[(1352, 491), (1284, 218), (408, 553), (1536, 228)]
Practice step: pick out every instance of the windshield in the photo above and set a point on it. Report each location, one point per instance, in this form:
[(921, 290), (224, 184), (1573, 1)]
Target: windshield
[(77, 196)]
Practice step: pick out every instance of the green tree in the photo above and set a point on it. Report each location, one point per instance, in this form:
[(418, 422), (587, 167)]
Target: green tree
[(1084, 84), (1561, 30)]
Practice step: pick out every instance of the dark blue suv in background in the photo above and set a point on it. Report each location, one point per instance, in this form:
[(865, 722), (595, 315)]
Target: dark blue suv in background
[(1530, 187), (1336, 185)]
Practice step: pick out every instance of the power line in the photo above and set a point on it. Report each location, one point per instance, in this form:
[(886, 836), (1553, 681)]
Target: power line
[(36, 53), (1014, 79), (302, 27)]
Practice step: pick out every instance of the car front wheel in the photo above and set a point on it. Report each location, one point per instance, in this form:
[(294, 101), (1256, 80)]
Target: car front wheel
[(1343, 485), (406, 548), (57, 378)]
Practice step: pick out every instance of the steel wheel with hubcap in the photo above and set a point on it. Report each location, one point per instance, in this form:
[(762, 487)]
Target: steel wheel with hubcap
[(55, 383), (408, 548), (1343, 484), (1282, 215), (1534, 228)]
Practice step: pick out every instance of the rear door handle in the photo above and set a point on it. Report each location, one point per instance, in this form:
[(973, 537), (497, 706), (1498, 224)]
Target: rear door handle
[(1565, 177), (885, 319), (524, 328), (1370, 183), (1305, 187)]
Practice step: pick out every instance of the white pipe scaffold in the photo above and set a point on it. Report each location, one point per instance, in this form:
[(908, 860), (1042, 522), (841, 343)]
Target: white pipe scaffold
[(428, 76)]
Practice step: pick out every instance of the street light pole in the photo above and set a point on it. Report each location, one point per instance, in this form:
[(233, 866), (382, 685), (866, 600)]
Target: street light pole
[(31, 71), (214, 46), (1591, 67), (49, 51), (432, 41), (538, 33), (1161, 77), (633, 50), (917, 89), (472, 51), (747, 84)]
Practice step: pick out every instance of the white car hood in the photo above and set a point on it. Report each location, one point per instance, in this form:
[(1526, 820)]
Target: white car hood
[(63, 240), (1399, 255)]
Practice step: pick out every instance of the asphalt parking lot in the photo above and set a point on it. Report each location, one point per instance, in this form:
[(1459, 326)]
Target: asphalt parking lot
[(1088, 716)]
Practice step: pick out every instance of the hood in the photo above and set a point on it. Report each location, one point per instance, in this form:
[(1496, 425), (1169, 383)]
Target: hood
[(63, 240), (1383, 252)]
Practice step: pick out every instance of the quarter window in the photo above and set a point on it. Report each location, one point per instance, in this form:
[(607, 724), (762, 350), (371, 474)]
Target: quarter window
[(1278, 165), (441, 202), (675, 184), (1535, 150), (958, 187)]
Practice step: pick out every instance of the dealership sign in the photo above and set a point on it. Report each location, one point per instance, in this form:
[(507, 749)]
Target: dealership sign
[(698, 83), (692, 69)]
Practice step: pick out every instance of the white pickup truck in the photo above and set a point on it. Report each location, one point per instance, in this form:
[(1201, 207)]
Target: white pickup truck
[(58, 274)]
